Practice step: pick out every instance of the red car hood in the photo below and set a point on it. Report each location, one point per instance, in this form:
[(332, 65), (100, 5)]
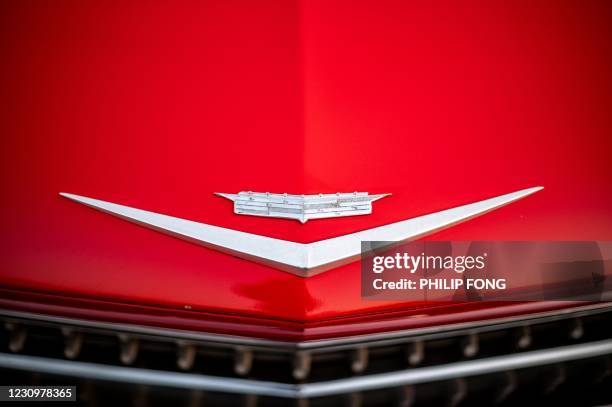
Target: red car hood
[(157, 107)]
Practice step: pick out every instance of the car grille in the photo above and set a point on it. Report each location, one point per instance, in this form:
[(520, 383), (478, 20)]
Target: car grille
[(556, 357)]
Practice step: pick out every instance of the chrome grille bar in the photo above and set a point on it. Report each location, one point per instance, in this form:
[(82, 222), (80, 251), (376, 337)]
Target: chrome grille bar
[(308, 390), (334, 344)]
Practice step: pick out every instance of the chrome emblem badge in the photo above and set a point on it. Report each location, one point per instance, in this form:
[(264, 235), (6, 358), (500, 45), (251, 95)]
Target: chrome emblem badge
[(302, 207), (301, 259)]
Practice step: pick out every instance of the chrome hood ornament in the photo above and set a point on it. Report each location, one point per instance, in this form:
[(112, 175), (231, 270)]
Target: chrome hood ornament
[(301, 259), (302, 207)]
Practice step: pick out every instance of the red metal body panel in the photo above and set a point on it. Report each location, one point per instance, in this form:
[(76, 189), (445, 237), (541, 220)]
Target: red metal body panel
[(157, 106)]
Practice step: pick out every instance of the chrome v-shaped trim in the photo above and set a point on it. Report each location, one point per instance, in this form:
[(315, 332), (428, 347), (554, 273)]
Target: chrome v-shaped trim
[(301, 259)]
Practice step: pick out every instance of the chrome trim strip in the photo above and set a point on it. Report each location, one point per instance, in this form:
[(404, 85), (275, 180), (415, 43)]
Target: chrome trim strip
[(383, 338), (308, 390), (301, 259), (211, 338), (458, 369), (457, 329), (144, 376)]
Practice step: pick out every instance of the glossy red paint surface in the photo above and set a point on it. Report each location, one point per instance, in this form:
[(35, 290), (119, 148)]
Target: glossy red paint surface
[(158, 105)]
